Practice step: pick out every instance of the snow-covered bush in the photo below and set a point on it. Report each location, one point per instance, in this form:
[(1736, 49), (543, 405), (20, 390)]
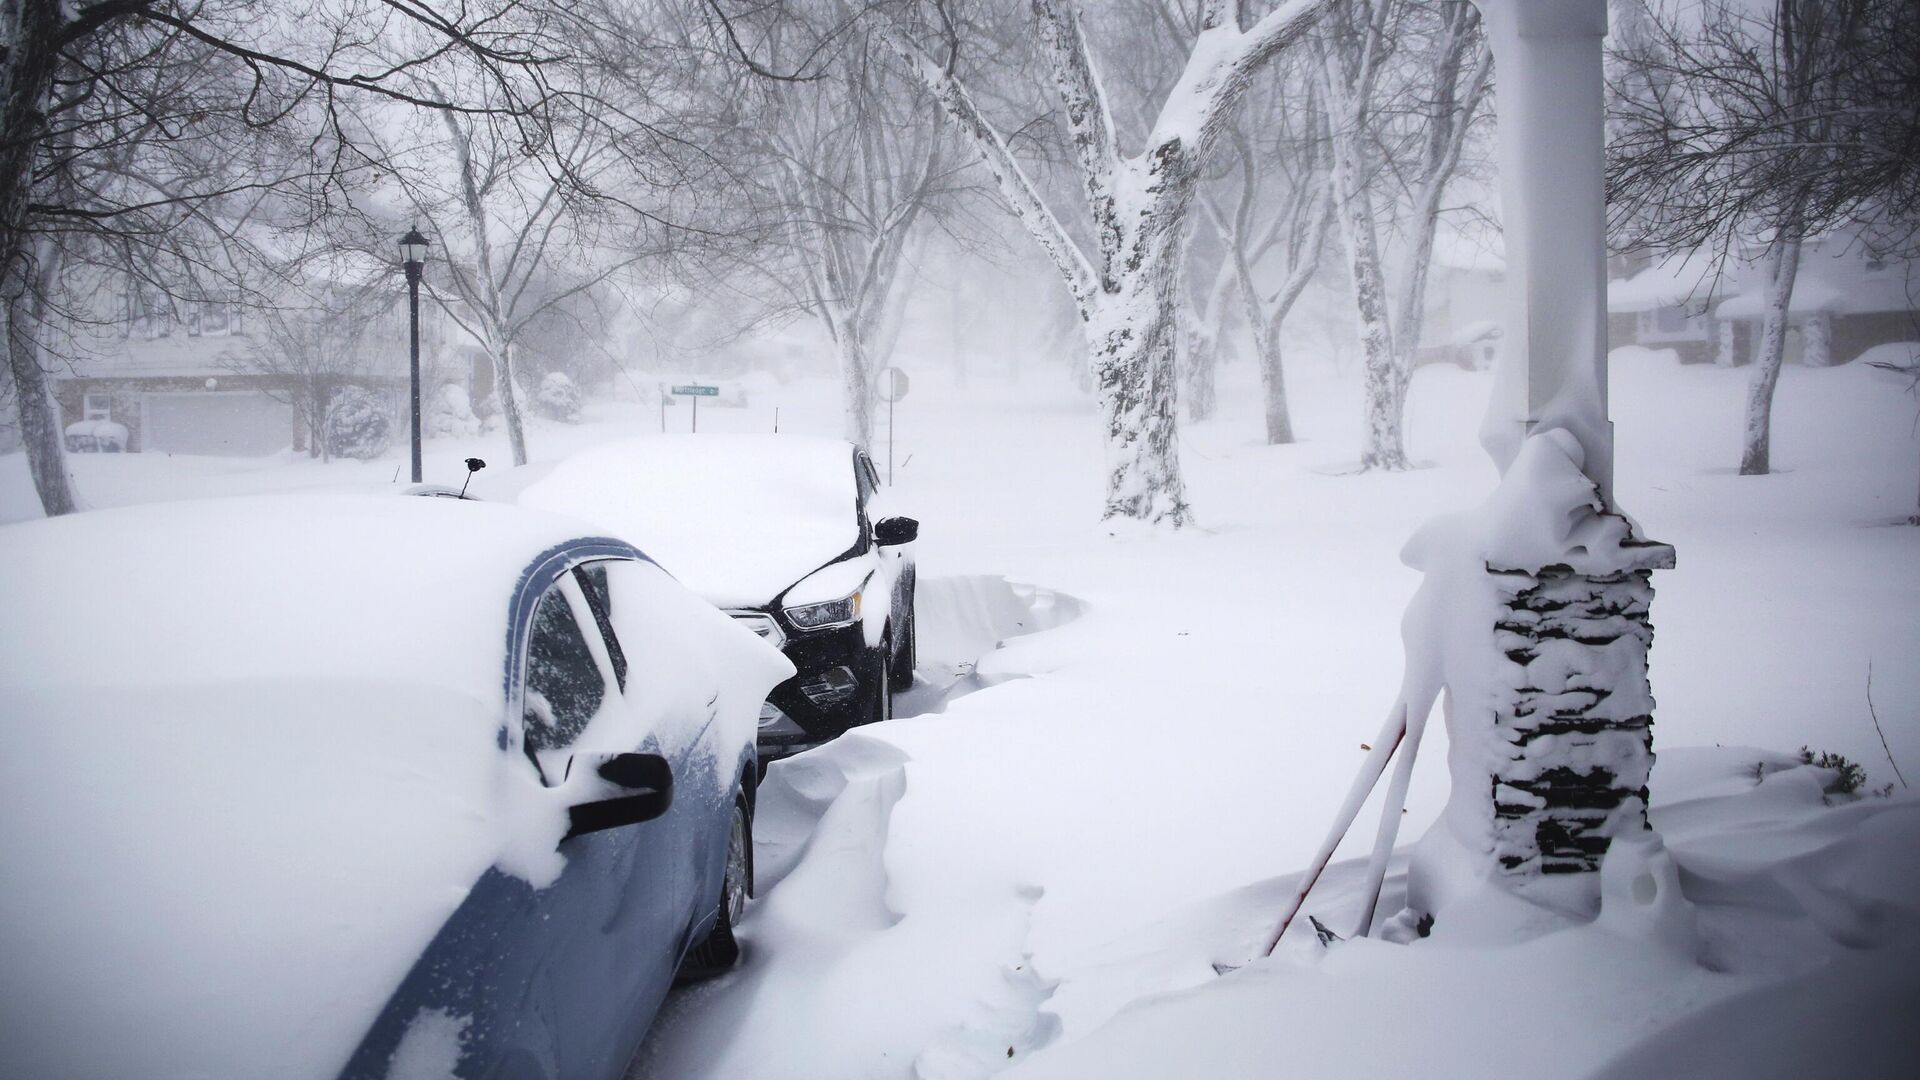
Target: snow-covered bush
[(1846, 775), (449, 414), (358, 425), (558, 399)]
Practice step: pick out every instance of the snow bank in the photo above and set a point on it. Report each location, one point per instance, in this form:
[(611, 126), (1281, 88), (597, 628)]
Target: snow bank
[(231, 879), (1744, 981), (962, 619)]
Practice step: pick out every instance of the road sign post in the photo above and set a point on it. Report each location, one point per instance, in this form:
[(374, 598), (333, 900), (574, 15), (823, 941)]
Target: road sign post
[(696, 391)]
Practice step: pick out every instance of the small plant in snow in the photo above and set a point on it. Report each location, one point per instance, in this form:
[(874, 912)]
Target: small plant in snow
[(358, 425), (1848, 776), (558, 399)]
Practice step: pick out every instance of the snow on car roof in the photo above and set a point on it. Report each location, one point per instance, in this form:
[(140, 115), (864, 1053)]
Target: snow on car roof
[(736, 518), (331, 587)]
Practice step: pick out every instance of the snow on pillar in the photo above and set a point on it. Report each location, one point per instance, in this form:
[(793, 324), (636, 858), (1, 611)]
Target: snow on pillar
[(1551, 715), (1552, 140)]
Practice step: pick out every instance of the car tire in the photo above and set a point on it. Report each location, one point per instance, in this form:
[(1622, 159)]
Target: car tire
[(720, 951), (900, 678), (881, 707)]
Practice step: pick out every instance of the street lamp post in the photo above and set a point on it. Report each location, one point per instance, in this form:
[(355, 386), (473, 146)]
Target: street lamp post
[(413, 251)]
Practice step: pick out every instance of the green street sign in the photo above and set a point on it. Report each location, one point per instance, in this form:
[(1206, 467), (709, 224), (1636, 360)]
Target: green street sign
[(697, 390)]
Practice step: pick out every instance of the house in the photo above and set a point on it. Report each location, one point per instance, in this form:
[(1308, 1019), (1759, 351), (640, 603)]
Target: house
[(1844, 303), (184, 378), (1466, 294)]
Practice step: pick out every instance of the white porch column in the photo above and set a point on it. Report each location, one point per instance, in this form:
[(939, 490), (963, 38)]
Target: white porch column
[(1552, 728), (1551, 123)]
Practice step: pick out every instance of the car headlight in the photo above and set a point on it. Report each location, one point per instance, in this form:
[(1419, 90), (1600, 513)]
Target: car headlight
[(839, 612)]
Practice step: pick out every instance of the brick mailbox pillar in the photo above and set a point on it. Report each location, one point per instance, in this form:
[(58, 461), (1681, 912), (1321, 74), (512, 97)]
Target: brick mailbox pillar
[(1572, 712)]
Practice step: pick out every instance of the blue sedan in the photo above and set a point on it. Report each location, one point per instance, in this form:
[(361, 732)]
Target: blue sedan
[(352, 787)]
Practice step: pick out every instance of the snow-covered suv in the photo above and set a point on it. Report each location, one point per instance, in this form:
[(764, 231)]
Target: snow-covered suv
[(790, 536)]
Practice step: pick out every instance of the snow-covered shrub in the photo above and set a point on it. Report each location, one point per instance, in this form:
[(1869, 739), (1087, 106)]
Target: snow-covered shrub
[(449, 414), (1848, 776), (558, 399), (358, 425)]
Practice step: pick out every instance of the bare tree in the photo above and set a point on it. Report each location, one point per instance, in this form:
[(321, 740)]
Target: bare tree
[(1277, 226), (1367, 95), (529, 232), (1127, 293), (856, 174), (1735, 128), (77, 86)]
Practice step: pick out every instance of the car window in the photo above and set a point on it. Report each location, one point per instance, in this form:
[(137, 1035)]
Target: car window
[(672, 683), (564, 687), (593, 584)]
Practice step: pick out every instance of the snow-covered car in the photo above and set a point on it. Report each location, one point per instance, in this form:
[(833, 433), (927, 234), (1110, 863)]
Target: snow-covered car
[(790, 536), (337, 786), (96, 437)]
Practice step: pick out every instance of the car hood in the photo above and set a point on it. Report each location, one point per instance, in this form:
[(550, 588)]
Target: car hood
[(232, 879), (735, 519)]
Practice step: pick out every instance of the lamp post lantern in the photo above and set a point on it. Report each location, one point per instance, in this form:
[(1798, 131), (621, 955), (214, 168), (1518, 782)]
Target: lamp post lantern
[(413, 252)]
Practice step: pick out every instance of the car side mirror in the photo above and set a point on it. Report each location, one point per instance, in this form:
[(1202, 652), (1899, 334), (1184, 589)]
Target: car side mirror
[(888, 532), (642, 789)]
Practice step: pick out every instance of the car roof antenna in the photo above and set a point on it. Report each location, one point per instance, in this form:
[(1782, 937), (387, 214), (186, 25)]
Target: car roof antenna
[(474, 465)]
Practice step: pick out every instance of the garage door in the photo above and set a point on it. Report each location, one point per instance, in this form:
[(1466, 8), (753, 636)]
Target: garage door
[(227, 423)]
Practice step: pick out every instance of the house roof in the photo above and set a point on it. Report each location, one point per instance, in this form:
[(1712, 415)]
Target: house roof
[(1836, 286), (1670, 282), (176, 355)]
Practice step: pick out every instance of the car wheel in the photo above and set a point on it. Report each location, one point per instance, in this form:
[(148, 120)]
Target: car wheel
[(881, 707), (901, 677), (720, 951)]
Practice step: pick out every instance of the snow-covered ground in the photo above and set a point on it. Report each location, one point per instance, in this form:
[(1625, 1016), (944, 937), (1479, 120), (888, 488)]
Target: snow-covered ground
[(1123, 748)]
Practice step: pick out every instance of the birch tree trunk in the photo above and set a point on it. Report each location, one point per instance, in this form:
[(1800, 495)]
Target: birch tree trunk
[(1384, 390), (28, 32), (856, 373), (1201, 335), (1133, 336), (1757, 450), (1384, 393), (26, 308), (498, 339)]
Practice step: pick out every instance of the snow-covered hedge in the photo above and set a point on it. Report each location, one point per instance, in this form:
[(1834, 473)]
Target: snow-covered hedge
[(558, 399), (358, 425), (449, 414)]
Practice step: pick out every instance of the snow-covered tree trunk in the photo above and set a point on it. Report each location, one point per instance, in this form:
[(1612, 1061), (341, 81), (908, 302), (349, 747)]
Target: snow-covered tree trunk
[(28, 33), (1201, 332), (26, 306), (505, 375), (1383, 394), (856, 374), (498, 336), (1756, 454), (1135, 344), (1273, 391)]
